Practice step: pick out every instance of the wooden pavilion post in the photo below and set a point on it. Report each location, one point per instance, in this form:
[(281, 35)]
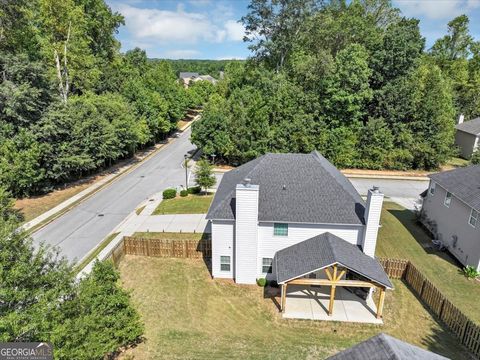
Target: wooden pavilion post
[(284, 297), (332, 291), (381, 301)]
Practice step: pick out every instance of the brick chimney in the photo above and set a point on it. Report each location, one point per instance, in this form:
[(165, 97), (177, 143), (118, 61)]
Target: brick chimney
[(373, 211)]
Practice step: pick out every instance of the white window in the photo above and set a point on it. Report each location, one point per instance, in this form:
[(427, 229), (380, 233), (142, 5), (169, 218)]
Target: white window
[(448, 199), (280, 229), (473, 218), (225, 263), (267, 265), (432, 188)]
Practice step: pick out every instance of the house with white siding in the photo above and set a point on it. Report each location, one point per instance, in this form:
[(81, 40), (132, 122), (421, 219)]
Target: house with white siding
[(287, 202), (451, 211)]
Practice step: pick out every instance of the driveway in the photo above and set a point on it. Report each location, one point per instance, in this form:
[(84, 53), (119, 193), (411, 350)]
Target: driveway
[(86, 225)]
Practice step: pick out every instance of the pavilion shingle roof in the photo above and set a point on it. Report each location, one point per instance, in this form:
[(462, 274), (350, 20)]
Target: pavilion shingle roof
[(302, 188), (322, 251)]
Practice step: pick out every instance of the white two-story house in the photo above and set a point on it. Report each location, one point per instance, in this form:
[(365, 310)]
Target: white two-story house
[(279, 200)]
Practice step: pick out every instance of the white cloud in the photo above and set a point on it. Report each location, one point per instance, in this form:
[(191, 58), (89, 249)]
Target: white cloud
[(436, 9), (200, 3), (165, 26), (235, 30), (181, 54)]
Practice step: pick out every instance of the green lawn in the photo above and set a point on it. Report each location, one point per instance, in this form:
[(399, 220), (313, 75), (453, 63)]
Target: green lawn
[(401, 237), (189, 315), (456, 162), (191, 204)]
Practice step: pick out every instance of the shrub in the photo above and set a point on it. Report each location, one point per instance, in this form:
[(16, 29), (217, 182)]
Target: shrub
[(470, 272), (169, 194), (262, 282), (184, 193), (475, 159), (194, 190)]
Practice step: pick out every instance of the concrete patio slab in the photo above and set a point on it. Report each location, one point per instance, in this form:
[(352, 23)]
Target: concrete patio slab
[(309, 302)]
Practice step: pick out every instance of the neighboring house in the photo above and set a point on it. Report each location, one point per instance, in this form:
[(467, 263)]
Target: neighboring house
[(206, 78), (467, 137), (187, 77), (385, 347), (451, 210), (279, 200)]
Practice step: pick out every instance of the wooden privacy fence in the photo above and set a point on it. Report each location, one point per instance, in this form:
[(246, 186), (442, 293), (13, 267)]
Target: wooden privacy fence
[(465, 329), (168, 248)]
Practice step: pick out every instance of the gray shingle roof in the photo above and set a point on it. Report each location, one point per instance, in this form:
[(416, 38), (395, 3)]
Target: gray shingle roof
[(463, 183), (184, 75), (315, 191), (385, 347), (471, 126), (322, 251)]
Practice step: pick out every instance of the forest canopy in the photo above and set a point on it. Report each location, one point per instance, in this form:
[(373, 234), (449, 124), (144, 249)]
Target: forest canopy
[(353, 80)]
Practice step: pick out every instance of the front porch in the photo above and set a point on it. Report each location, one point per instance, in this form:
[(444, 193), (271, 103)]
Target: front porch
[(311, 302)]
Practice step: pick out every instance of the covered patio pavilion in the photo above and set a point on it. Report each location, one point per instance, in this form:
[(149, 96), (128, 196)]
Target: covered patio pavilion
[(319, 278)]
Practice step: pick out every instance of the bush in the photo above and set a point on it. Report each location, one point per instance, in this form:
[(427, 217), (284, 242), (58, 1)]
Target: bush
[(262, 282), (169, 194), (194, 190), (184, 193), (470, 272), (475, 159)]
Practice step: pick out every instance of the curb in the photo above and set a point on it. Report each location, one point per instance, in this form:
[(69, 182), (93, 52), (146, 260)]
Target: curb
[(58, 214)]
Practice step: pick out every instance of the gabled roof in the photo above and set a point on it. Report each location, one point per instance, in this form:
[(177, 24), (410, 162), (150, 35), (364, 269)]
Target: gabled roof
[(301, 188), (463, 183), (184, 75), (322, 251), (471, 126), (385, 347)]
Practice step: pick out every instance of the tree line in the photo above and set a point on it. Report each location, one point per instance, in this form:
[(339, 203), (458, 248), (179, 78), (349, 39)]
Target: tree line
[(353, 80), (70, 102)]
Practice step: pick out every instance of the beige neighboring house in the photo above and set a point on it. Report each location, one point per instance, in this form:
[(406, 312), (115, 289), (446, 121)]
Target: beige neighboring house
[(467, 137), (187, 77), (451, 209)]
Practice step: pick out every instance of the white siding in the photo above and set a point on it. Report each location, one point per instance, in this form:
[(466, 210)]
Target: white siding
[(222, 245), (373, 211), (268, 244), (246, 234)]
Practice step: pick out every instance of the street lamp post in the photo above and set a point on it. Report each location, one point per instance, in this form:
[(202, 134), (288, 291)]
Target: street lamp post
[(186, 171), (213, 159)]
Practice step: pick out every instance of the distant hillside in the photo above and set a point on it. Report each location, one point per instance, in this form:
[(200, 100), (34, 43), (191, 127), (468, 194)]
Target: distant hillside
[(210, 67)]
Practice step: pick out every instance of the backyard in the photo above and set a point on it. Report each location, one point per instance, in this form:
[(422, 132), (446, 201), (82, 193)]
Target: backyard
[(189, 315), (401, 237)]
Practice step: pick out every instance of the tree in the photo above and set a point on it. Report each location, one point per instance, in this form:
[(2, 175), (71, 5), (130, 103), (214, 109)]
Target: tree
[(99, 319), (204, 176), (272, 27), (455, 45), (42, 301)]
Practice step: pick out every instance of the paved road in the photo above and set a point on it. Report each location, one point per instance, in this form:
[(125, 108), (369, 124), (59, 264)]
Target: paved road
[(391, 187), (82, 228)]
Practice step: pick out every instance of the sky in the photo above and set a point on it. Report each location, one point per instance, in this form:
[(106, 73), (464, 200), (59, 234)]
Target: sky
[(209, 29)]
